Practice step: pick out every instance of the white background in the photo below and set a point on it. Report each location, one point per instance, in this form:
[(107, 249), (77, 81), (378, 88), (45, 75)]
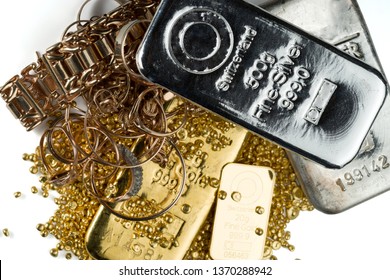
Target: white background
[(341, 242)]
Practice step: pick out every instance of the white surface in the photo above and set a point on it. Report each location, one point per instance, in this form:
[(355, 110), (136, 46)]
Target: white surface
[(359, 234)]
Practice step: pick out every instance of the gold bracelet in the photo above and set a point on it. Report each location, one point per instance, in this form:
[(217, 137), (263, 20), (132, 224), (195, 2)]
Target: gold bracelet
[(71, 67)]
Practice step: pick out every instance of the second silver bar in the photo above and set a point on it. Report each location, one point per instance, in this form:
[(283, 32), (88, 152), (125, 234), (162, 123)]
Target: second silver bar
[(340, 22)]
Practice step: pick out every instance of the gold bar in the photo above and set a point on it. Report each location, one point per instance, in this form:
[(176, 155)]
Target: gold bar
[(207, 144), (243, 209)]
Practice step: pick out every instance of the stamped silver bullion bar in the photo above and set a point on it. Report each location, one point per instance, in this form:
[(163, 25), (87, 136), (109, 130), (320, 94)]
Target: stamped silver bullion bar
[(258, 71), (332, 191)]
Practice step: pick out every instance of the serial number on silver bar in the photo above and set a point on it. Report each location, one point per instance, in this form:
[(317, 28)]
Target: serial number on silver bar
[(260, 72)]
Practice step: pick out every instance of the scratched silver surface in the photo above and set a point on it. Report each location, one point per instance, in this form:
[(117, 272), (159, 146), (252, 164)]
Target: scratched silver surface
[(341, 23), (264, 74)]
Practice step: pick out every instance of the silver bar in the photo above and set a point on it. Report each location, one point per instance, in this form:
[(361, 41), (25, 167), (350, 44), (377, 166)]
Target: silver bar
[(333, 191), (262, 73)]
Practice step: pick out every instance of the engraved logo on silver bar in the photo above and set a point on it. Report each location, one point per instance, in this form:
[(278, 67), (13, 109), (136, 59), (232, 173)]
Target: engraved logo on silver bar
[(320, 102), (200, 40), (346, 44)]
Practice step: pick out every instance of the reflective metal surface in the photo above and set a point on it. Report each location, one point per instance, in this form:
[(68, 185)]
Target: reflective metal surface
[(242, 214), (261, 3), (333, 191), (264, 74)]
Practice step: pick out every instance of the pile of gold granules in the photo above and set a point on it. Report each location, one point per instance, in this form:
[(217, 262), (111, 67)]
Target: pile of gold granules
[(75, 210), (76, 207)]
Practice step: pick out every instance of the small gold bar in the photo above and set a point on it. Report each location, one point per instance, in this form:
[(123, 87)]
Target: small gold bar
[(207, 144), (243, 209)]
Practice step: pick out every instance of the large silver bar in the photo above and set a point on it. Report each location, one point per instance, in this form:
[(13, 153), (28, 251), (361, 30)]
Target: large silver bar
[(271, 77), (340, 22)]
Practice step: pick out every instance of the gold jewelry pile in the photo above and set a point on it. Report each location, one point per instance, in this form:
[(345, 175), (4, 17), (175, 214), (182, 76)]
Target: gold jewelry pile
[(107, 125)]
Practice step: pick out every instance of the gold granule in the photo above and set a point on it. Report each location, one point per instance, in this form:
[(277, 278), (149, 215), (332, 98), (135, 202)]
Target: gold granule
[(259, 231), (34, 170), (260, 210), (222, 195), (40, 227), (69, 224), (17, 194), (6, 232), (186, 209), (25, 156), (54, 252)]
